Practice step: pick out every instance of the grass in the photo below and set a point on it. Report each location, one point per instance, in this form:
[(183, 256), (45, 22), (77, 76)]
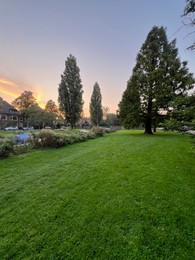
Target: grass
[(123, 196)]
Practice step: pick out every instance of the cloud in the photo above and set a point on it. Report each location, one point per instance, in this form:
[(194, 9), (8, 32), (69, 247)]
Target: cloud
[(7, 82), (11, 89), (7, 92)]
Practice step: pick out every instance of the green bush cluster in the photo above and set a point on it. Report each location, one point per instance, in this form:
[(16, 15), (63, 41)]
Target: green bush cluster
[(47, 139), (98, 131), (181, 126), (53, 139), (6, 147), (21, 148)]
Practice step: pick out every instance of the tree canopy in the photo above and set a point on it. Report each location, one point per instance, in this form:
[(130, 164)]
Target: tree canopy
[(24, 101), (51, 107), (157, 78), (70, 92), (95, 105)]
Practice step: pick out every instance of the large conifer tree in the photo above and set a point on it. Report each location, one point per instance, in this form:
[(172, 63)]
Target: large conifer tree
[(70, 92), (95, 106), (157, 78)]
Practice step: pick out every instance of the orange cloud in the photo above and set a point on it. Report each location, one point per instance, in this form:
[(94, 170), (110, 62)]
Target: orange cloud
[(7, 92), (7, 82)]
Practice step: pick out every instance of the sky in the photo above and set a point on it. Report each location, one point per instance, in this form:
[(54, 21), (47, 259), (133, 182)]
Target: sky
[(105, 36)]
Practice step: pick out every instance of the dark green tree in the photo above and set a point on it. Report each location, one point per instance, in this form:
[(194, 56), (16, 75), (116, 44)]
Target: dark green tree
[(70, 92), (95, 106), (112, 120), (158, 77), (40, 118), (130, 105), (183, 108)]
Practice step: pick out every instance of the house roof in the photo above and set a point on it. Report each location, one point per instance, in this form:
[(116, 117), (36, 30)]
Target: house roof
[(8, 109)]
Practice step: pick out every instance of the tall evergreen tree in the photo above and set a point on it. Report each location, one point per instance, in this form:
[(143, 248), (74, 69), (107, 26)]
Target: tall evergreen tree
[(129, 107), (157, 78), (70, 92), (95, 106)]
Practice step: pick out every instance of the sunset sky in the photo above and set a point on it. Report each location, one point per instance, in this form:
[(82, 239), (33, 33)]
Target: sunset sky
[(36, 37)]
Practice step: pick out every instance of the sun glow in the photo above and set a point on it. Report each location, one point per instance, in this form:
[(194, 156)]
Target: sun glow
[(7, 92), (7, 82)]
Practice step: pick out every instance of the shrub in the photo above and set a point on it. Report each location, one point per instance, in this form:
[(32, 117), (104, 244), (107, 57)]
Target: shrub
[(44, 139), (98, 131), (6, 147), (21, 148)]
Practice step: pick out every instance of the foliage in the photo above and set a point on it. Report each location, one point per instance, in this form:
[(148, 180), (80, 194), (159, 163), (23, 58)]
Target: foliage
[(189, 18), (182, 108), (106, 199), (95, 105), (173, 124), (22, 148), (51, 107), (40, 118), (111, 119), (6, 147), (158, 77), (98, 131), (70, 92), (24, 101), (46, 139), (130, 106)]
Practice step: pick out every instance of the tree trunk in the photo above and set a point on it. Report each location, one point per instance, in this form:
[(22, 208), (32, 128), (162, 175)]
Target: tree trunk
[(148, 126)]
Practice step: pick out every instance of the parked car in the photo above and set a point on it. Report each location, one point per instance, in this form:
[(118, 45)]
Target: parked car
[(28, 128), (11, 128)]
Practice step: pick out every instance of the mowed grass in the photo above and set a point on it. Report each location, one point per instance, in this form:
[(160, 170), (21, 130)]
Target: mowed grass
[(123, 196)]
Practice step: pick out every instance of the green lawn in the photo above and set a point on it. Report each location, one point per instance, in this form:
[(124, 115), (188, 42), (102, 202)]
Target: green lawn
[(123, 196)]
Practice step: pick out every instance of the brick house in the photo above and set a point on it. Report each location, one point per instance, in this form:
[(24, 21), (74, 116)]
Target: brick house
[(9, 116)]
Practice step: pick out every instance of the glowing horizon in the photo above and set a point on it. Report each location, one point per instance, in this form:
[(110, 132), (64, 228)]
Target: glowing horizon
[(7, 82), (6, 88)]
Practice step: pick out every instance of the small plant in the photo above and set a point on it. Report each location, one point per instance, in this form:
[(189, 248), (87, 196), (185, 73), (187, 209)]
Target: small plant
[(98, 131), (6, 147), (21, 148)]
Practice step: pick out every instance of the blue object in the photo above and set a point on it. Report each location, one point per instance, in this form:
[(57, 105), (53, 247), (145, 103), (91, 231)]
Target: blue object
[(21, 138)]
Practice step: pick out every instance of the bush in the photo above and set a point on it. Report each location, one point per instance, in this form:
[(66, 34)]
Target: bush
[(174, 125), (46, 139), (43, 139), (98, 131), (6, 147), (21, 148)]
